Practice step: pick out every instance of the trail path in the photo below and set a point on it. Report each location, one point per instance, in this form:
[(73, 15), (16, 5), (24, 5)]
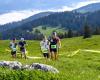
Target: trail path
[(74, 53), (94, 51), (69, 55), (85, 50), (30, 57)]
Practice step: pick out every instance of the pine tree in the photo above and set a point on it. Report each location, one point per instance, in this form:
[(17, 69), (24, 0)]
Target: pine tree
[(70, 33), (44, 27), (37, 31), (61, 35), (0, 36), (65, 35), (97, 31), (87, 32)]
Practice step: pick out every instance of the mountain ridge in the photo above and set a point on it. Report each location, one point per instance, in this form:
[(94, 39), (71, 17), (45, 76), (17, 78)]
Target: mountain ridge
[(89, 8), (69, 20)]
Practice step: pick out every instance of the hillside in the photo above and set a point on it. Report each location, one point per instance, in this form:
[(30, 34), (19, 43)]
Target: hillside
[(24, 21), (78, 60), (65, 20), (49, 30)]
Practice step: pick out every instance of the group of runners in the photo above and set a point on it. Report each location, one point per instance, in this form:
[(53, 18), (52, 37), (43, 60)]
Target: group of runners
[(14, 47), (49, 47)]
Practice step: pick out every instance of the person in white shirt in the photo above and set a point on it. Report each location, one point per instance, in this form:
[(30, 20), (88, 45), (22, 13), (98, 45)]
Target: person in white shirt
[(13, 47), (44, 44)]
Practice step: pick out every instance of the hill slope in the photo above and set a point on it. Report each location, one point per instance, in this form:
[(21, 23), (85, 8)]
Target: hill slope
[(20, 23), (66, 20)]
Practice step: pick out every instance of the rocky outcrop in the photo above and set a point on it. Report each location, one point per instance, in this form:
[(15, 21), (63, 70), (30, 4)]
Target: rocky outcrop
[(15, 65), (43, 67), (11, 64)]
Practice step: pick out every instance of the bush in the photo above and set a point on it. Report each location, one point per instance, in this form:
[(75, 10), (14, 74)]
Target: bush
[(6, 74)]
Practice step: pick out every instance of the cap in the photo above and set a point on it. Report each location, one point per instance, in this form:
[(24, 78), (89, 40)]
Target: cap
[(14, 39), (22, 39), (54, 33)]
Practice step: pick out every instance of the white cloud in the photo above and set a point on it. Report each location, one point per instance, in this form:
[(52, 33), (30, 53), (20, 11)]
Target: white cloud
[(16, 16), (80, 4), (75, 6), (64, 8)]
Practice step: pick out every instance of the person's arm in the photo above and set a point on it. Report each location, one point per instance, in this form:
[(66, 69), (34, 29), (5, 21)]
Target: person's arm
[(40, 47), (59, 43), (25, 43), (10, 45), (40, 44), (48, 43), (18, 44)]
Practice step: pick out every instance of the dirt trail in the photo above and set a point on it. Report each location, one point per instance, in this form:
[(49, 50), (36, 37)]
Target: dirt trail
[(30, 57), (69, 55), (85, 50), (74, 53), (94, 51)]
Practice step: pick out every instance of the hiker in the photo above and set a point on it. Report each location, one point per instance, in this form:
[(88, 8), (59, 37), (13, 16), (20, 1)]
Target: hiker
[(22, 44), (45, 47), (13, 47), (55, 44)]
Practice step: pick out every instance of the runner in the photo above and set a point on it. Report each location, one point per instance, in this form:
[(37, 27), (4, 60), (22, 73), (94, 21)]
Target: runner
[(55, 44), (13, 47), (45, 47), (22, 44)]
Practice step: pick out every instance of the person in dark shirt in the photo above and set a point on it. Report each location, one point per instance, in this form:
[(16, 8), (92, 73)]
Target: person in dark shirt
[(22, 44), (55, 44), (13, 47)]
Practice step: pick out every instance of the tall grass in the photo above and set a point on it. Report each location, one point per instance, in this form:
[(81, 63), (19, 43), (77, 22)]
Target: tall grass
[(82, 66)]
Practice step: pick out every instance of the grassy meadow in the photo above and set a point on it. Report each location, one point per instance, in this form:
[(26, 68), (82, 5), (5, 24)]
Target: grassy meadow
[(81, 66), (49, 30)]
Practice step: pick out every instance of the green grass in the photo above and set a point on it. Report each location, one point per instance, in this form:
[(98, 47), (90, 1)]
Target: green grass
[(49, 30), (82, 66)]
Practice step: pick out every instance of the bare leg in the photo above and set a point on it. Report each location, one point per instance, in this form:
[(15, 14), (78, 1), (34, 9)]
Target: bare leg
[(21, 55), (24, 55), (46, 60), (52, 55), (49, 53), (56, 55), (14, 56)]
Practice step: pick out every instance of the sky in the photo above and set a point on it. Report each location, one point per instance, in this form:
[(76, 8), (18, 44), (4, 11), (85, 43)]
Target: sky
[(21, 9), (8, 5)]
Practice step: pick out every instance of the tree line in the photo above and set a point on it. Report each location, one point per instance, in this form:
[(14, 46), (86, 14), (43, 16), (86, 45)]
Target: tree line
[(87, 32), (73, 22)]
